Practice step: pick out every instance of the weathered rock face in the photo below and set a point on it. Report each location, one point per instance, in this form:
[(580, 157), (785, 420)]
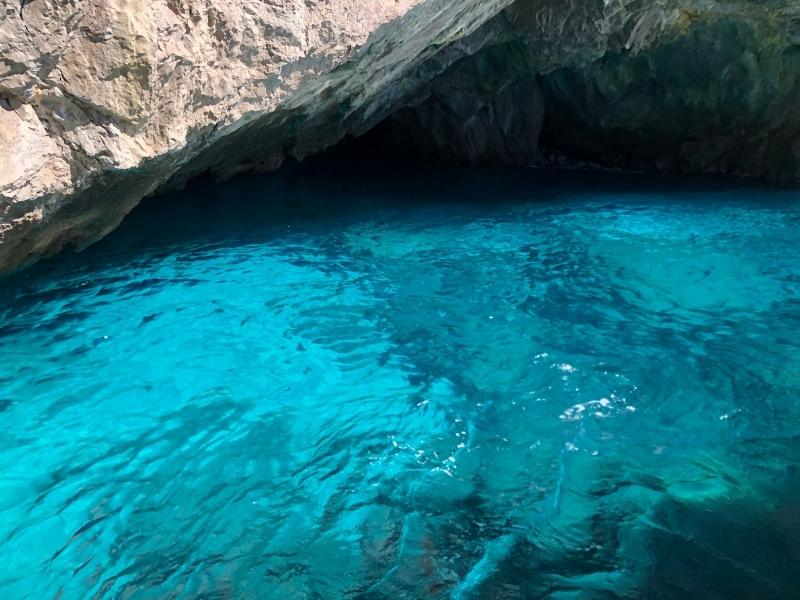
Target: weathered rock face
[(675, 86), (105, 101), (95, 91)]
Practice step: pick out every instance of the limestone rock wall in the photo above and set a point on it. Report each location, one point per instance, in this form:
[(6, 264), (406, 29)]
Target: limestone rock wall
[(92, 87), (103, 102), (672, 85)]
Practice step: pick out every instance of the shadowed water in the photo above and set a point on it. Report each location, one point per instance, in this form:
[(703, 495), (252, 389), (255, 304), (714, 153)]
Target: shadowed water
[(476, 385)]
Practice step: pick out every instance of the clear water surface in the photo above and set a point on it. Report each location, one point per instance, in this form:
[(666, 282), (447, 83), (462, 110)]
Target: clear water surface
[(470, 385)]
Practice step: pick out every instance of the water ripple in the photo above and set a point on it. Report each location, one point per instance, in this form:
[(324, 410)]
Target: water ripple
[(574, 391)]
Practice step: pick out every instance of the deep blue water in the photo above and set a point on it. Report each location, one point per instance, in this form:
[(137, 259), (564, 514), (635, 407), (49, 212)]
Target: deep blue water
[(470, 385)]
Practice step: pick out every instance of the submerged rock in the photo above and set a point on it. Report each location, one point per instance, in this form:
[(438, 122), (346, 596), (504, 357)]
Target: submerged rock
[(107, 102)]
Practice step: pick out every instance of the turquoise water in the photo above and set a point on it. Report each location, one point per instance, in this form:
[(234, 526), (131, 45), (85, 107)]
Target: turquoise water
[(473, 385)]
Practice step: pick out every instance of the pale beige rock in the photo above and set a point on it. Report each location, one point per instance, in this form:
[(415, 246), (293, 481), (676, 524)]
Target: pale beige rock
[(113, 82), (105, 97), (35, 162)]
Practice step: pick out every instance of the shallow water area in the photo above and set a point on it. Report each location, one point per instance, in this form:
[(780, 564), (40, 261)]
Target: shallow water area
[(473, 384)]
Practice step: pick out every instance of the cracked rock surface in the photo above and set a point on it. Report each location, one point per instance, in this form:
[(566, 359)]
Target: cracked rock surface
[(103, 102)]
